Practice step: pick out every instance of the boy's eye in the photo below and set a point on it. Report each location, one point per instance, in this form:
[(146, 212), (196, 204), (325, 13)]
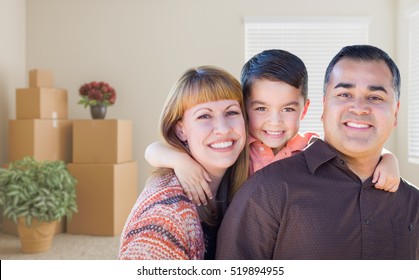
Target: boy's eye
[(261, 109), (288, 109)]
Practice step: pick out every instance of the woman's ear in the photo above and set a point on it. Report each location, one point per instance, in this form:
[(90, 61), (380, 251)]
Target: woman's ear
[(179, 131)]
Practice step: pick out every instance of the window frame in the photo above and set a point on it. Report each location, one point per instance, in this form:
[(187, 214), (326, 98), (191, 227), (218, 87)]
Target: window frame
[(413, 87)]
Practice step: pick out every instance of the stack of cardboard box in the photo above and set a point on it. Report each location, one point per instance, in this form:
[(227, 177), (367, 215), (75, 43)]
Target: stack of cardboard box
[(41, 129), (107, 176)]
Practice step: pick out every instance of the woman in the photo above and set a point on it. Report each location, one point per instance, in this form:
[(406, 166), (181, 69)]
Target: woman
[(203, 116)]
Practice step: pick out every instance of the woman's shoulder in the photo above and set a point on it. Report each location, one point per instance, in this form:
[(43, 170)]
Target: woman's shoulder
[(167, 183), (164, 193)]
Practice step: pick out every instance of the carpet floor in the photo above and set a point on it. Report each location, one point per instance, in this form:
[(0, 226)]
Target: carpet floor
[(64, 247)]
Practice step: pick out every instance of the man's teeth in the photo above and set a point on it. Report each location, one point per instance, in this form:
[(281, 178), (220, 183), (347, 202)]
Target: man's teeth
[(357, 125), (274, 132), (221, 145)]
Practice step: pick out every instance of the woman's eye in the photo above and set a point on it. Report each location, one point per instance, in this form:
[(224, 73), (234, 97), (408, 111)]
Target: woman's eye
[(204, 116), (232, 113)]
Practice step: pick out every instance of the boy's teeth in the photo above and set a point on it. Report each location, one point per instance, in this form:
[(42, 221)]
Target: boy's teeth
[(221, 145), (357, 125), (274, 132)]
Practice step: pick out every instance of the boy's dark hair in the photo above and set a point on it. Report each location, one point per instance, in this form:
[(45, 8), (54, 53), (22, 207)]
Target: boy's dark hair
[(365, 53), (275, 65)]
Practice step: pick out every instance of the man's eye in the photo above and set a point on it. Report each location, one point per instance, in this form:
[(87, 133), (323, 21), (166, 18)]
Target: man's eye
[(346, 95), (375, 98)]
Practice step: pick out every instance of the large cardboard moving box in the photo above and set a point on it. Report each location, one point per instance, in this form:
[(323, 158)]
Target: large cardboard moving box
[(41, 103), (102, 141), (105, 196), (41, 139)]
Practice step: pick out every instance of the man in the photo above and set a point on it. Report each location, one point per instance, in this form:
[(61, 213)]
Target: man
[(321, 203)]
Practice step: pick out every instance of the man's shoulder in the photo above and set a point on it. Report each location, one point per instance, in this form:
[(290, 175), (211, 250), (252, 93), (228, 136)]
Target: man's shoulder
[(280, 172), (269, 178), (303, 158), (289, 171), (409, 187)]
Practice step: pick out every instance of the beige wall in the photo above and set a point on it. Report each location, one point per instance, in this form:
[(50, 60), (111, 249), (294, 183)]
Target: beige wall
[(141, 47), (12, 64)]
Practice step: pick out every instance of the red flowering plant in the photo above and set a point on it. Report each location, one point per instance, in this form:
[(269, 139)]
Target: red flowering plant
[(97, 93)]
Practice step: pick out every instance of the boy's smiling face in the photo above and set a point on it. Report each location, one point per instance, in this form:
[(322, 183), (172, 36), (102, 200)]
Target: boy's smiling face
[(274, 110)]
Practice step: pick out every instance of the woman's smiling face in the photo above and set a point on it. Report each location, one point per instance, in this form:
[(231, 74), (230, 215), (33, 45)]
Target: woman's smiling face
[(215, 133)]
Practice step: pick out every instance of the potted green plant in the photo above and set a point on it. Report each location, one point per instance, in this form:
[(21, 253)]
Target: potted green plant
[(97, 95), (35, 194)]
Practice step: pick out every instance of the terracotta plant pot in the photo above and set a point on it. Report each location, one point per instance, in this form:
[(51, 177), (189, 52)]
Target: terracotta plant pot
[(37, 237)]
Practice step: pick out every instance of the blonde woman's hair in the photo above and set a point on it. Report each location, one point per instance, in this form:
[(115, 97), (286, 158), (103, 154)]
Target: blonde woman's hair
[(200, 85)]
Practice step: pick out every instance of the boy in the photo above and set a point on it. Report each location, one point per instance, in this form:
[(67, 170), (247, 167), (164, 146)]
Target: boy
[(275, 93)]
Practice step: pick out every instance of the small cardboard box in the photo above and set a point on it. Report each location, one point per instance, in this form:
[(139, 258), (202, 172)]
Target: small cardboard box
[(102, 141), (105, 196), (40, 78), (9, 227), (41, 139), (41, 103)]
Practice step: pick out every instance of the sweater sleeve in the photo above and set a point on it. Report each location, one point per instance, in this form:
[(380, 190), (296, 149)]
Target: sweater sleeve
[(162, 225)]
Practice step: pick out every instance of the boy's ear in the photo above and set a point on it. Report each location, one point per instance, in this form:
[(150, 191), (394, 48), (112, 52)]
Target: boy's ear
[(179, 131), (303, 114)]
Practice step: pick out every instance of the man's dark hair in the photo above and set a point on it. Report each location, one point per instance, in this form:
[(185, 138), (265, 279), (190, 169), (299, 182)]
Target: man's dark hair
[(365, 53)]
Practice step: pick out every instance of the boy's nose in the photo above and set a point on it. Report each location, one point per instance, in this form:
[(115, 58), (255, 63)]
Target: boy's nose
[(275, 118)]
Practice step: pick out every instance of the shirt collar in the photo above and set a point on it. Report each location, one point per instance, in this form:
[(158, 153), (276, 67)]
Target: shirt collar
[(317, 153), (251, 139)]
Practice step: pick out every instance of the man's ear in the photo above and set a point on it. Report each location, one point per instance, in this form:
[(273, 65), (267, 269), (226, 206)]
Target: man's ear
[(179, 131), (324, 99), (396, 121)]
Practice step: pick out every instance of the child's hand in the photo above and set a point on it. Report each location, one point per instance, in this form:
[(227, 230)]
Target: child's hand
[(192, 176), (386, 175), (194, 180)]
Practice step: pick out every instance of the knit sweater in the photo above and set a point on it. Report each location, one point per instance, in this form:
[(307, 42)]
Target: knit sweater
[(163, 224)]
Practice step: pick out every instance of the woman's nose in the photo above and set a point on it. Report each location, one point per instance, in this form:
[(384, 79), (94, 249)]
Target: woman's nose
[(222, 125)]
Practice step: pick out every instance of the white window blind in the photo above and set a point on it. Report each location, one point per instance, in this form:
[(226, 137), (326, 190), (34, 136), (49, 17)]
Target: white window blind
[(413, 90), (314, 40)]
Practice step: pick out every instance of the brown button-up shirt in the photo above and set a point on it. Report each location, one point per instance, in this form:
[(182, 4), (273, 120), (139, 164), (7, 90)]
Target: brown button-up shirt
[(312, 206)]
